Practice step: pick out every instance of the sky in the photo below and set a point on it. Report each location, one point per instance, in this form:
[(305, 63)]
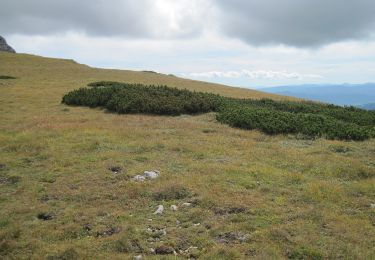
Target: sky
[(247, 43)]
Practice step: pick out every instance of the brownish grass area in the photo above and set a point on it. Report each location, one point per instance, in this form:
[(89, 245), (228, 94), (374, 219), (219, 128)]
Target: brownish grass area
[(252, 195)]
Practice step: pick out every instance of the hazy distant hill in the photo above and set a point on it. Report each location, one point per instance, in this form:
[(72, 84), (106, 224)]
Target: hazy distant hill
[(370, 106), (362, 95)]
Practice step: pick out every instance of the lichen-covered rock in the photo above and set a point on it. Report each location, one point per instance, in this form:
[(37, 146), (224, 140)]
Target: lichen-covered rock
[(164, 250), (159, 210), (139, 178), (5, 47), (151, 174)]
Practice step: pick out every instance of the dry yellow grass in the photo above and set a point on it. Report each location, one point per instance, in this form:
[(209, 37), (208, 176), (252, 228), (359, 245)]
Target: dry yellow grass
[(292, 198)]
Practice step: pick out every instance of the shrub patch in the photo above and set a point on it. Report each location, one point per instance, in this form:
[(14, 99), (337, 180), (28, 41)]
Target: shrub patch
[(271, 117)]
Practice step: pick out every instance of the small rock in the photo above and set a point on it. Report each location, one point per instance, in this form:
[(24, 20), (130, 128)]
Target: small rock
[(196, 224), (87, 227), (115, 169), (137, 257), (45, 216), (159, 210), (372, 205), (139, 178), (152, 250), (178, 222), (186, 204), (151, 174), (231, 237), (108, 232), (164, 250), (174, 208)]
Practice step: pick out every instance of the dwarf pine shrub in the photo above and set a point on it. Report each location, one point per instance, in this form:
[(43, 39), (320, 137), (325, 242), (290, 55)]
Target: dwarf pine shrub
[(271, 117)]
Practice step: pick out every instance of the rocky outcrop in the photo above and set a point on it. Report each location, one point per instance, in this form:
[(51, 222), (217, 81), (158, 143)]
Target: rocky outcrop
[(4, 46)]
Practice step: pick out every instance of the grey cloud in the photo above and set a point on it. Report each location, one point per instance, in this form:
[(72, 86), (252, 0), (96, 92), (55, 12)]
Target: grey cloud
[(129, 18), (301, 23)]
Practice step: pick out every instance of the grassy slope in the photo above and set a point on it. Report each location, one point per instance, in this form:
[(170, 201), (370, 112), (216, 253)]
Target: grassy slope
[(302, 198)]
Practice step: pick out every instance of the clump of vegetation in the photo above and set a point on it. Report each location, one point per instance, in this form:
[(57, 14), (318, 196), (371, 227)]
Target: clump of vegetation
[(135, 98), (271, 117), (278, 122), (6, 77)]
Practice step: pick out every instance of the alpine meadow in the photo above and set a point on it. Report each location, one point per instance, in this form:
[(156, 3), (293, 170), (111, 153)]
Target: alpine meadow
[(118, 164)]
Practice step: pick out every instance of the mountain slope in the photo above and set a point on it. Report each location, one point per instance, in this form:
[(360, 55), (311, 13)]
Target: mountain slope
[(78, 75), (67, 189)]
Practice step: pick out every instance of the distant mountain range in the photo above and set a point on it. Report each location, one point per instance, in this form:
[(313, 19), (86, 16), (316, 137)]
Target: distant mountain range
[(360, 95)]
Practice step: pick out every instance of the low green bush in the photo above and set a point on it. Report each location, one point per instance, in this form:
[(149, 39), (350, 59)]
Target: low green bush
[(132, 98), (6, 77), (279, 122), (272, 117)]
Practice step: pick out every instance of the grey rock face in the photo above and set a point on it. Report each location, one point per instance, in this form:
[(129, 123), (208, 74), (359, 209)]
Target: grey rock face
[(4, 46)]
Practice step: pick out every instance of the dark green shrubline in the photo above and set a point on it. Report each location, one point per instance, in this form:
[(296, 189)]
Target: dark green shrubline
[(133, 98), (6, 77), (272, 117)]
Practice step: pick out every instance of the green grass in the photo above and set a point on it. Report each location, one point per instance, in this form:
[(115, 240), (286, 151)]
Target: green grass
[(292, 197)]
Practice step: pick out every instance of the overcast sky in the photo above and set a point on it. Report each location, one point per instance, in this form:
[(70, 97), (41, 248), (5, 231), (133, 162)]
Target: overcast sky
[(249, 43)]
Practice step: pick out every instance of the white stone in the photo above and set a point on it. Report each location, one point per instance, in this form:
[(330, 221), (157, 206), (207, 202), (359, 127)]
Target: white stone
[(159, 210), (138, 257), (174, 208), (372, 205), (139, 178), (186, 204), (151, 174)]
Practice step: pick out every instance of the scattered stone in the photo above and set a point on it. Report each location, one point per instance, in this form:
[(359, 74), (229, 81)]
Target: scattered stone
[(156, 233), (196, 224), (137, 257), (231, 237), (159, 210), (45, 216), (115, 169), (164, 250), (139, 178), (178, 222), (372, 205), (151, 174), (108, 232), (186, 204), (174, 208), (152, 250)]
